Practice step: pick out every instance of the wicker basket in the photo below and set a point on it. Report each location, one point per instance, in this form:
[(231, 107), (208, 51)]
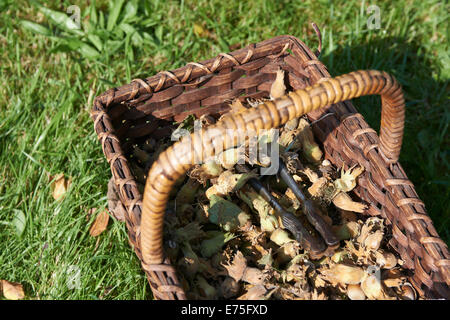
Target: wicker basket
[(147, 108)]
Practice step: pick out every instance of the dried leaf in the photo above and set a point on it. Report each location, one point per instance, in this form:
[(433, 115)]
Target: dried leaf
[(59, 185), (237, 268), (12, 290), (254, 293), (19, 221), (229, 288), (100, 224), (253, 276)]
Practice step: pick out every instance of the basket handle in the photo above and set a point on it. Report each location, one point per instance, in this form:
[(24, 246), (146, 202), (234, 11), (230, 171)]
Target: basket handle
[(181, 156)]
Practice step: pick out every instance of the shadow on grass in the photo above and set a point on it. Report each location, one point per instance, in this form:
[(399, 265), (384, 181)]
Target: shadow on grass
[(425, 149)]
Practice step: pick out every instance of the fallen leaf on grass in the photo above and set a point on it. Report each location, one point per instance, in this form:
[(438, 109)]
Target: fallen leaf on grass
[(59, 186), (100, 224), (12, 290), (19, 222)]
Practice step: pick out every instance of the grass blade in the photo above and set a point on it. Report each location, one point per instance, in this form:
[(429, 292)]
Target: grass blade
[(114, 14)]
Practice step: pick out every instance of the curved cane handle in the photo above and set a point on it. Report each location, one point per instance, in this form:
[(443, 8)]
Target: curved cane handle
[(181, 156)]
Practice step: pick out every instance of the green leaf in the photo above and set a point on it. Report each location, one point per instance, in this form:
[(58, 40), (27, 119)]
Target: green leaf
[(213, 245), (62, 20), (93, 14), (130, 9), (35, 27), (19, 222), (83, 48), (96, 41), (88, 51), (114, 14)]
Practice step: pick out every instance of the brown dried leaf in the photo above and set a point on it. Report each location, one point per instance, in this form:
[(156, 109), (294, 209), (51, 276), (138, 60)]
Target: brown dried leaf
[(229, 288), (12, 290), (253, 276), (100, 224), (237, 268), (254, 293), (59, 186)]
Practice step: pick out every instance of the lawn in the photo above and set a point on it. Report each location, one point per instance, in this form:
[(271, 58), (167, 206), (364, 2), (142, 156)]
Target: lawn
[(50, 75)]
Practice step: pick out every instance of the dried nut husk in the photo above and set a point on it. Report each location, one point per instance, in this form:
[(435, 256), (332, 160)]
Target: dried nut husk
[(339, 256), (372, 287), (278, 89), (288, 139), (386, 260), (211, 168), (346, 274), (266, 259), (229, 288), (347, 181), (229, 182), (348, 216), (187, 193), (190, 261), (373, 240), (286, 253), (269, 223), (280, 237), (310, 148), (370, 226), (408, 292), (317, 187), (255, 201), (291, 124), (230, 157), (226, 214), (211, 246), (206, 290), (253, 276), (343, 201), (311, 174), (347, 231), (354, 292)]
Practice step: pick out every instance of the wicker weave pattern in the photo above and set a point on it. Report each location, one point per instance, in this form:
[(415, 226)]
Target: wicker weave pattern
[(133, 112)]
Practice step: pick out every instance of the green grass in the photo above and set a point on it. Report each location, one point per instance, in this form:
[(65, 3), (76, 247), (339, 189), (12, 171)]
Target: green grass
[(48, 81)]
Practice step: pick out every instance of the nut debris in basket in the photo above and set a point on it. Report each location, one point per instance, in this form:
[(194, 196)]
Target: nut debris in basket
[(228, 240)]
